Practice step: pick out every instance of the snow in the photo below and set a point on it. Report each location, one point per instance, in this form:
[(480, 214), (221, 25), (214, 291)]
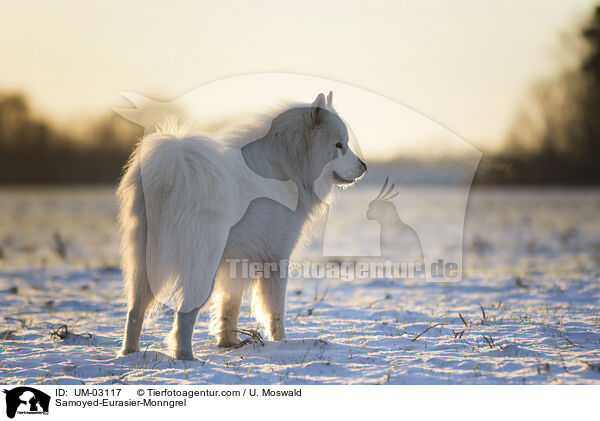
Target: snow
[(532, 266)]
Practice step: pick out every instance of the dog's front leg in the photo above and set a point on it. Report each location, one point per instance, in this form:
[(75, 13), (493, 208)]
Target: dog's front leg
[(268, 305), (181, 335)]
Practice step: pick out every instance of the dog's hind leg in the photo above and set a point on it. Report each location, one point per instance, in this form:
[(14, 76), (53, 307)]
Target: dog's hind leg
[(180, 338), (268, 305), (225, 309), (141, 300), (134, 225)]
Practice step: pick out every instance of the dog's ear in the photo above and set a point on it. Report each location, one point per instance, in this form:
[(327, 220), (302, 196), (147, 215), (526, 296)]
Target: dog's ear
[(330, 99), (317, 110)]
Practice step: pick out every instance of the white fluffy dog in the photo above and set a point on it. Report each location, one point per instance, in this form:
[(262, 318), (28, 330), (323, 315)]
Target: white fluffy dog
[(189, 204)]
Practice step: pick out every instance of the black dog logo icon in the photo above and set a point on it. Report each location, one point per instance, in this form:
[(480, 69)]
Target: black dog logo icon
[(33, 401)]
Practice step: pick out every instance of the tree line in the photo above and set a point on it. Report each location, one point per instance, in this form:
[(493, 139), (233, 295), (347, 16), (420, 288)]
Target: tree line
[(32, 151), (555, 136), (554, 139)]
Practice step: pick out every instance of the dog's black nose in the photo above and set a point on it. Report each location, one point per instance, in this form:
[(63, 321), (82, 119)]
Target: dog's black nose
[(363, 163)]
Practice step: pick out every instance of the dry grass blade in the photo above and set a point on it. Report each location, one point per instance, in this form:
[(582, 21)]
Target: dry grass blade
[(458, 334), (489, 341), (463, 320), (254, 337), (316, 301), (425, 331), (62, 332)]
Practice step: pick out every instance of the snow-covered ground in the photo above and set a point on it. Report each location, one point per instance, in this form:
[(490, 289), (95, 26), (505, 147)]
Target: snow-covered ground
[(526, 311)]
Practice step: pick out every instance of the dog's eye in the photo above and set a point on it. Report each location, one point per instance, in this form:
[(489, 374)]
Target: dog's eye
[(338, 145)]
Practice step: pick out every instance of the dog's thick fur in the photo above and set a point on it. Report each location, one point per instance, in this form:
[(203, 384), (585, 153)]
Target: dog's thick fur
[(307, 144)]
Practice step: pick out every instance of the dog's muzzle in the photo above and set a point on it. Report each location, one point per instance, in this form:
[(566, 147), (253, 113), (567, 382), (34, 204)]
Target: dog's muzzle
[(341, 180)]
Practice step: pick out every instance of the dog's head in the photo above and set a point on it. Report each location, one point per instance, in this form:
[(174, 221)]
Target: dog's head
[(323, 140)]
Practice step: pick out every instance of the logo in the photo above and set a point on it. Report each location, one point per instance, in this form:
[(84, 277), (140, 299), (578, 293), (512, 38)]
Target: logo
[(26, 400)]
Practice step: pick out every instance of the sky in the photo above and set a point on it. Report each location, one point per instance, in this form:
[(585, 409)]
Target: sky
[(465, 64)]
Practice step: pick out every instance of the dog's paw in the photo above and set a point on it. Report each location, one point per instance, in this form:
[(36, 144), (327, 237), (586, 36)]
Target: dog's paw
[(278, 336), (127, 351), (184, 355), (231, 342)]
